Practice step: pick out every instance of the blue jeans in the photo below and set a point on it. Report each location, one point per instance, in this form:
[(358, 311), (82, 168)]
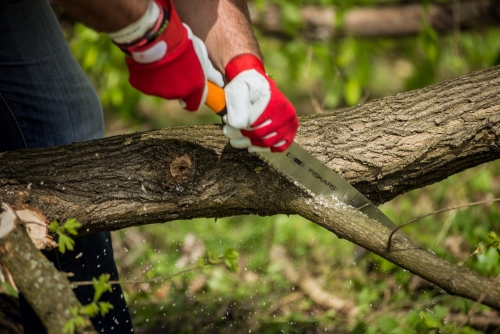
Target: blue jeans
[(46, 100)]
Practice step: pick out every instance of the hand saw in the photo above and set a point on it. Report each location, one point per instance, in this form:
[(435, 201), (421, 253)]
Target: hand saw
[(299, 166)]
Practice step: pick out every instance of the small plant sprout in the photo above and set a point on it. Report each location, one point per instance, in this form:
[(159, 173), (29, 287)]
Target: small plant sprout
[(230, 258), (63, 240)]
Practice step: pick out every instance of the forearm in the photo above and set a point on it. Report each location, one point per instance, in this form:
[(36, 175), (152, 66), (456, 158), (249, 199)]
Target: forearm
[(105, 15), (223, 25)]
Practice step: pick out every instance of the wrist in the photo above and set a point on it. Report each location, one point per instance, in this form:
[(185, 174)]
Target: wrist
[(242, 63), (138, 28), (147, 29)]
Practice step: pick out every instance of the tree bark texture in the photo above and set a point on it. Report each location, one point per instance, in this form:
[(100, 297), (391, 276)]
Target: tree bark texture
[(322, 23), (46, 289), (384, 148)]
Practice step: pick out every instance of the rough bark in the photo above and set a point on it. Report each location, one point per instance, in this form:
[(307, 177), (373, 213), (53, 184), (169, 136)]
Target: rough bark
[(321, 23), (384, 148), (47, 290)]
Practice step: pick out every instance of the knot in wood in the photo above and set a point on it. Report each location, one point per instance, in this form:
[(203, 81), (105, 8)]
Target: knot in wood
[(180, 168)]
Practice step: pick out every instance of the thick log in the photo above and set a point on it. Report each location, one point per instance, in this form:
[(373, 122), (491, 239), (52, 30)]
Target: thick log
[(384, 148), (321, 23), (47, 290)]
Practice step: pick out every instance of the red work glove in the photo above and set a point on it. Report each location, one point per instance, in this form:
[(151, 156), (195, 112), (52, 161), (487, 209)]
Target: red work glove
[(259, 117), (170, 62)]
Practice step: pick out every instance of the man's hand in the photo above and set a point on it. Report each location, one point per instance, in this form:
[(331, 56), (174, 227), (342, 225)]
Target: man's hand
[(259, 117), (170, 62)]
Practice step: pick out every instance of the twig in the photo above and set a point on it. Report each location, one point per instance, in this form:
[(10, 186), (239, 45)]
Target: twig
[(478, 250), (435, 213), (149, 280)]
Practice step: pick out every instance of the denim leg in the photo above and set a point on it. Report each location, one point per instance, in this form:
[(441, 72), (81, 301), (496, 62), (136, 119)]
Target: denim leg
[(46, 100)]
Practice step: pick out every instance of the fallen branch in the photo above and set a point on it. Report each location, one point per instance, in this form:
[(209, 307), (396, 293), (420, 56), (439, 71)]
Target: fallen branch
[(482, 321), (46, 289), (310, 286), (352, 225), (321, 23)]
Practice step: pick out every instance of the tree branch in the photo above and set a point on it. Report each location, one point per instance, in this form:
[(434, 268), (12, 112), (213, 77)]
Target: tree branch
[(46, 289), (384, 148), (320, 23)]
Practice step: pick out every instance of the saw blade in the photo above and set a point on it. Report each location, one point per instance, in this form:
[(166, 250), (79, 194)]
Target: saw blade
[(301, 167)]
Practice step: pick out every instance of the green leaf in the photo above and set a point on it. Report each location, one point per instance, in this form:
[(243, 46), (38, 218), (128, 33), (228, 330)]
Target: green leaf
[(360, 328), (71, 225), (352, 91), (65, 242), (90, 58), (54, 226), (201, 262), (232, 265), (91, 309), (105, 307), (231, 253), (231, 259), (493, 236), (430, 322), (213, 258), (101, 285), (387, 325), (291, 18), (74, 311), (79, 321), (69, 326), (348, 52)]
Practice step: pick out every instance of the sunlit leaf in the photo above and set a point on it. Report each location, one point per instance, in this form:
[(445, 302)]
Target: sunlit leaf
[(65, 243), (69, 327), (71, 225), (105, 307)]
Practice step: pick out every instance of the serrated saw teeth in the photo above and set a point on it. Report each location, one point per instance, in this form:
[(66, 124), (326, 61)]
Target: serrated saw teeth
[(289, 178), (318, 180)]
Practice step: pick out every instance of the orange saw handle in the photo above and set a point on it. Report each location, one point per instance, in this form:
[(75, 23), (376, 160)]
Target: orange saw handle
[(216, 99)]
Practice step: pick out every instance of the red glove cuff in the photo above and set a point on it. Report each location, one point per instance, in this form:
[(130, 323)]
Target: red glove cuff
[(174, 33), (242, 63)]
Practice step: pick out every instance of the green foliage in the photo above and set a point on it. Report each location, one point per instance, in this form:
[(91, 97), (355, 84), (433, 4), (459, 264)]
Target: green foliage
[(290, 17), (495, 241), (64, 241), (229, 258), (105, 66), (101, 285)]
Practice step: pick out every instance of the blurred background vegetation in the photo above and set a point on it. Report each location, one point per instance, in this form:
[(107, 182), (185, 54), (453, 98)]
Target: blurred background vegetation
[(269, 293)]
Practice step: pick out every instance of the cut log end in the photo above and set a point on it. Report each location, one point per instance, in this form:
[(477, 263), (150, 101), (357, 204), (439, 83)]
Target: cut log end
[(36, 225), (7, 220)]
